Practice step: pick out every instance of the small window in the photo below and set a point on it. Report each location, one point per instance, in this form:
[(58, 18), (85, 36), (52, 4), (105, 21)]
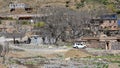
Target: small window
[(114, 21), (110, 21), (110, 26), (115, 26), (78, 44)]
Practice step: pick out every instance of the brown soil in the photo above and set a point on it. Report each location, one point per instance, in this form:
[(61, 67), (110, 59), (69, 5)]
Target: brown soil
[(2, 66), (17, 54), (113, 65), (76, 53), (70, 53), (50, 55)]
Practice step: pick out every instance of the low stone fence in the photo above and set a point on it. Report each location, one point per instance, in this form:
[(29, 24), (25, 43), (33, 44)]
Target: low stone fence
[(115, 46), (96, 44)]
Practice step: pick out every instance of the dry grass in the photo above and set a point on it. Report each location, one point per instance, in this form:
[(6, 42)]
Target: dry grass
[(76, 53), (41, 3), (33, 3), (2, 66)]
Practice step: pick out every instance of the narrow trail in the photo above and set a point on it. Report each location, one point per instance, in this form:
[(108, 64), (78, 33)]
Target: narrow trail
[(38, 49)]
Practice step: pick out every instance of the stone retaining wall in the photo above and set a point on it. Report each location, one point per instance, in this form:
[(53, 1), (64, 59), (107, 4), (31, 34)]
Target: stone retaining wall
[(115, 46)]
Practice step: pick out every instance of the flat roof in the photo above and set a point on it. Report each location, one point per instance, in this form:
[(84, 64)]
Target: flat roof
[(100, 38)]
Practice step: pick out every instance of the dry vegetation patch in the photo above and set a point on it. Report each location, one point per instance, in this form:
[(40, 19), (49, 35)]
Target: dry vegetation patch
[(76, 53)]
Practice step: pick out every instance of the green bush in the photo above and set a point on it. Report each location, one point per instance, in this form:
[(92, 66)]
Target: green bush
[(102, 65), (111, 7), (39, 24), (25, 23), (105, 2), (116, 61), (79, 5), (119, 65)]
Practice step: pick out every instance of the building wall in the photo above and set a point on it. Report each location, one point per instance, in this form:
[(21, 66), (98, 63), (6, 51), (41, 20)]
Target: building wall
[(102, 45), (37, 40), (96, 44), (19, 5), (115, 46), (109, 24)]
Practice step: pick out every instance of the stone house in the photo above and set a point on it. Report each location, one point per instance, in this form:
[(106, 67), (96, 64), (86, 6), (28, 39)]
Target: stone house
[(103, 41), (109, 21), (19, 5), (36, 39), (108, 24)]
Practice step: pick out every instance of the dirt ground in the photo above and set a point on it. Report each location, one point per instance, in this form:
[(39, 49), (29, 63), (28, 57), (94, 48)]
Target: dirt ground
[(114, 65), (70, 53), (76, 53), (2, 66)]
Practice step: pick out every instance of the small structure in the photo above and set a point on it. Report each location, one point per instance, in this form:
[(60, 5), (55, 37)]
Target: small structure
[(36, 39), (109, 21), (102, 42), (19, 5), (14, 6), (106, 22)]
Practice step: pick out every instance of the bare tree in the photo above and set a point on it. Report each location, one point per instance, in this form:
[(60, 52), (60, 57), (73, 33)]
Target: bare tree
[(55, 24), (61, 19)]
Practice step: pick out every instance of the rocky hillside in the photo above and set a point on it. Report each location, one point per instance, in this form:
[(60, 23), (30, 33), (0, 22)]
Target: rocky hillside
[(73, 4)]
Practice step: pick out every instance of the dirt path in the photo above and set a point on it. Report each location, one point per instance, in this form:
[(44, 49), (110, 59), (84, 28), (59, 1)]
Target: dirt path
[(41, 50), (20, 52), (113, 65), (102, 52)]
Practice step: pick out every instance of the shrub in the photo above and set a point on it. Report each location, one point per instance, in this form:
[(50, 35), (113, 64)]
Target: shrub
[(79, 5), (25, 23), (39, 24), (111, 7)]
